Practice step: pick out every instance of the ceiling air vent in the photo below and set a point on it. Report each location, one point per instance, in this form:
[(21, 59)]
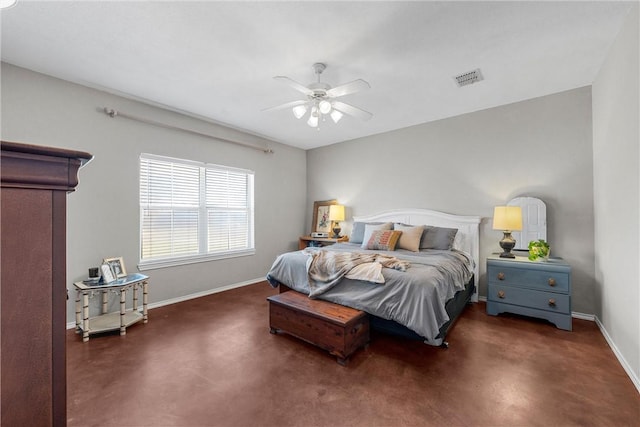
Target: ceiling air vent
[(469, 77)]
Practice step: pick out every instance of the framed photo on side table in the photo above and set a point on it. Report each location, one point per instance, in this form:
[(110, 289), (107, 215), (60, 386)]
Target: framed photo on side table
[(117, 266), (107, 273), (321, 221)]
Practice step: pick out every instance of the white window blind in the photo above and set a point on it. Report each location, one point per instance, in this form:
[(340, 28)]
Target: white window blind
[(192, 211)]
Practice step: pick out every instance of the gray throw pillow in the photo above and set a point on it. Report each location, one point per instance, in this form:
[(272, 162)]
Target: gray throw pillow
[(438, 238)]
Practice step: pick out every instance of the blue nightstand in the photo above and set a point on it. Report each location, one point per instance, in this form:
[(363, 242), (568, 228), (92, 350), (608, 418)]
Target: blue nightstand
[(532, 288)]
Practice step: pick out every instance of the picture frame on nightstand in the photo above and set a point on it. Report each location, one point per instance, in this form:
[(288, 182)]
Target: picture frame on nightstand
[(321, 222)]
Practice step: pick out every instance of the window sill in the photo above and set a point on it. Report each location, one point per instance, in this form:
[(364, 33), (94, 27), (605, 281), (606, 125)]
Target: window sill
[(173, 262)]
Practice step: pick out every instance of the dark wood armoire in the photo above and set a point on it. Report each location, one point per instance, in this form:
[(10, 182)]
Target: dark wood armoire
[(33, 197)]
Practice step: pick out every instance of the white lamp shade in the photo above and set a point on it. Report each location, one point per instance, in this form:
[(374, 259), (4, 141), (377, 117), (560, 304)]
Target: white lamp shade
[(336, 116), (299, 111), (313, 118), (507, 218), (324, 106), (5, 4), (336, 212)]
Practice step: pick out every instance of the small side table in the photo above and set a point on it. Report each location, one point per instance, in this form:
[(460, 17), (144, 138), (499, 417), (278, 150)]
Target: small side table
[(305, 241), (116, 320)]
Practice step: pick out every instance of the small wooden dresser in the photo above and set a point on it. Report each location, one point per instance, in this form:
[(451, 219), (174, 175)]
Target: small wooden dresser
[(532, 288)]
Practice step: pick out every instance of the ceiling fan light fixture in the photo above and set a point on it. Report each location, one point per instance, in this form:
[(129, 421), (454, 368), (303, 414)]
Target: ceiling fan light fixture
[(299, 111), (313, 121), (6, 4), (336, 116), (313, 117), (324, 106)]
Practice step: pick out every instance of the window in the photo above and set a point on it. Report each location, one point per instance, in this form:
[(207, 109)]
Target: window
[(192, 211)]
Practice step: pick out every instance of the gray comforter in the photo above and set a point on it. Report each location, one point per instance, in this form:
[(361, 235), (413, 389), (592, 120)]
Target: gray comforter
[(414, 298)]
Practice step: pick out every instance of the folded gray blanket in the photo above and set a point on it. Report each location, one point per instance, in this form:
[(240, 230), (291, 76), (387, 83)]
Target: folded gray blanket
[(327, 268)]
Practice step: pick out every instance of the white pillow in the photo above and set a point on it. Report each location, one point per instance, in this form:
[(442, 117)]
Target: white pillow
[(370, 228), (459, 242)]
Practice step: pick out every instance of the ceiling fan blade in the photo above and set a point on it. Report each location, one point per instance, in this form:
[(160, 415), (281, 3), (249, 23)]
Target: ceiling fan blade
[(286, 105), (347, 88), (294, 84), (351, 110)]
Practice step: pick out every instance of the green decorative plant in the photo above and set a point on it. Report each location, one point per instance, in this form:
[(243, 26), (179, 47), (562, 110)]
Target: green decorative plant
[(538, 249)]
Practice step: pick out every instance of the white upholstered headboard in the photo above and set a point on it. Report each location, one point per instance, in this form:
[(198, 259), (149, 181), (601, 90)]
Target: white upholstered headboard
[(467, 238)]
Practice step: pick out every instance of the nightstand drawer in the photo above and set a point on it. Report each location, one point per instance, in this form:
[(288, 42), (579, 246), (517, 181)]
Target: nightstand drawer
[(550, 280), (548, 301)]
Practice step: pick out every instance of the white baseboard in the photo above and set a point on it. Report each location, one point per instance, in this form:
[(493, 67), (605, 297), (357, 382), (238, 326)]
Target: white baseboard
[(583, 316), (72, 325), (625, 365)]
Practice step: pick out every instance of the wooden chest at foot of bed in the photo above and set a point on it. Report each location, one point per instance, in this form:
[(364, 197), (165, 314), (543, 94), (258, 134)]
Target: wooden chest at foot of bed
[(338, 329)]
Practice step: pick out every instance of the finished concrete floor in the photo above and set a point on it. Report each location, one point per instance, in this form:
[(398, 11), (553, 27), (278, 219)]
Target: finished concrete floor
[(211, 361)]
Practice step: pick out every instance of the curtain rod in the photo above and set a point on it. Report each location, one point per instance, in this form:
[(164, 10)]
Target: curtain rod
[(114, 113)]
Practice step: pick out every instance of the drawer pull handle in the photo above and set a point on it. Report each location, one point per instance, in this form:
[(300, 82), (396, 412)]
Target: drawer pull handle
[(500, 294), (500, 276), (552, 302), (552, 281)]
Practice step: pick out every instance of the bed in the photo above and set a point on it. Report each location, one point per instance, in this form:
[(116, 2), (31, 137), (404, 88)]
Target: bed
[(420, 302)]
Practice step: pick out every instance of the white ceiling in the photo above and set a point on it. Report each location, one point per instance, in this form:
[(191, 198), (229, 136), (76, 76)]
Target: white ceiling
[(217, 59)]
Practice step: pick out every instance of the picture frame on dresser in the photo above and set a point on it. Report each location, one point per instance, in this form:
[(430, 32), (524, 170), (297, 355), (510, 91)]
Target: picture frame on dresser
[(321, 221)]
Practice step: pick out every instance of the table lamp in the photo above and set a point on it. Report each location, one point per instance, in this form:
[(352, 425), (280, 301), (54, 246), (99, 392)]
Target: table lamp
[(507, 219), (336, 214)]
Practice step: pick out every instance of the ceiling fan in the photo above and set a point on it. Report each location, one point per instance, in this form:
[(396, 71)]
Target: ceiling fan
[(322, 99)]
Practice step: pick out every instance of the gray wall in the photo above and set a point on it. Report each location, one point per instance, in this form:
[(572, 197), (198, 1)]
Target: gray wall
[(468, 164), (617, 194), (103, 213)]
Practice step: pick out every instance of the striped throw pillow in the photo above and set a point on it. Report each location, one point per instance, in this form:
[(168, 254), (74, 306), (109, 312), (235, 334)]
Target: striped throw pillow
[(384, 240)]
